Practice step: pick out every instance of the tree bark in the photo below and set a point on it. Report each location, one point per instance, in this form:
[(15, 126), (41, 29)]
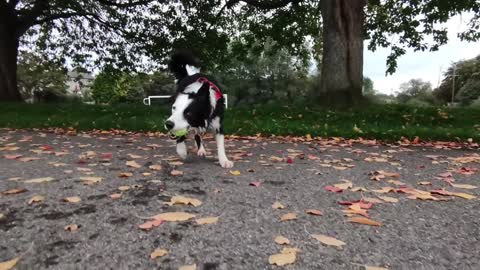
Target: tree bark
[(9, 43), (342, 62)]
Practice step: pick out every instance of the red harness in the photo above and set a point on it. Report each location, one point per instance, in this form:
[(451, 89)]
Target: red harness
[(218, 93)]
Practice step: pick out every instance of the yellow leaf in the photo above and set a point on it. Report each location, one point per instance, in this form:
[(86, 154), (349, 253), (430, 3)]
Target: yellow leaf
[(374, 268), (236, 173), (282, 240), (287, 256), (36, 198), (74, 199), (327, 240), (365, 221), (288, 216), (345, 185), (207, 220), (188, 267), (184, 200), (39, 180), (464, 186), (133, 164), (388, 199), (7, 265), (372, 200), (158, 253), (277, 205), (463, 195), (174, 216), (90, 180)]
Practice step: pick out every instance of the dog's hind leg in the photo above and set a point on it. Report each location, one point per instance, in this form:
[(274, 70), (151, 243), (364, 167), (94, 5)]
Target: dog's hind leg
[(201, 149), (222, 157), (182, 147)]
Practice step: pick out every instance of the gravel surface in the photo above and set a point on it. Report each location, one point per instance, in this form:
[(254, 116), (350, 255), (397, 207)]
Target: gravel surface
[(414, 234)]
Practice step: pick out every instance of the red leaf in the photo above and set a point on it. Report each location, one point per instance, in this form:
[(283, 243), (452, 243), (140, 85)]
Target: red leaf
[(467, 171), (255, 184), (15, 156), (361, 203), (289, 160), (333, 189), (106, 155), (445, 174), (46, 147)]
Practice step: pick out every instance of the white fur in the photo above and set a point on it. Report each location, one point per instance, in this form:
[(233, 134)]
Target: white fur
[(193, 88), (222, 157), (182, 149), (201, 152), (215, 124), (177, 117), (192, 70)]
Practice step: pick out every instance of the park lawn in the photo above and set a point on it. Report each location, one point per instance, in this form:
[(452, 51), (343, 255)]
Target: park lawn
[(386, 122)]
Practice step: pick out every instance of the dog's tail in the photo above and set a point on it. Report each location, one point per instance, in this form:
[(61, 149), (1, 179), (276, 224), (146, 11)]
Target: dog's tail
[(180, 63)]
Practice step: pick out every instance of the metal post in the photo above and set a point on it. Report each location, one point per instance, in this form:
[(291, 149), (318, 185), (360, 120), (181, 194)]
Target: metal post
[(453, 82)]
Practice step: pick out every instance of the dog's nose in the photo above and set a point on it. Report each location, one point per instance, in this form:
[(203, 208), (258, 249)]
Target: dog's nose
[(169, 125)]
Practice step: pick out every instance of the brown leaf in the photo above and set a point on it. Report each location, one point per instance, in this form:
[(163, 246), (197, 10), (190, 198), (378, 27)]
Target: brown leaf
[(39, 180), (36, 198), (74, 199), (7, 265), (133, 164), (155, 167), (287, 256), (188, 267), (356, 209), (125, 174), (158, 253), (374, 268), (314, 212), (27, 159), (71, 227), (184, 200), (116, 195), (329, 241), (11, 157), (372, 200), (388, 199), (345, 185), (176, 173), (425, 183), (277, 205), (124, 188), (206, 220), (14, 191), (288, 216), (134, 156), (91, 180), (150, 224), (365, 221), (174, 216), (281, 240)]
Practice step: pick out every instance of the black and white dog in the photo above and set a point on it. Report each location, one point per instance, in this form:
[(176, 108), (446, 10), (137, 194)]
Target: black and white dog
[(199, 106)]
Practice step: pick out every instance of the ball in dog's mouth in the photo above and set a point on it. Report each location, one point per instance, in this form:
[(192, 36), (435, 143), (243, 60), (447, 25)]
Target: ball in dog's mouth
[(179, 133)]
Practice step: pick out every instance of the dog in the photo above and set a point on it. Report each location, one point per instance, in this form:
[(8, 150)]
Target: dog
[(198, 106)]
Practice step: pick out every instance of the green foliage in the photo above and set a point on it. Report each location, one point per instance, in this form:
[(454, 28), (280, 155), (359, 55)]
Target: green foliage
[(368, 89), (466, 72), (39, 77), (416, 92)]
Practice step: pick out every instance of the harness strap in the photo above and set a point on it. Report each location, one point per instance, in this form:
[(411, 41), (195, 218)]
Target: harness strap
[(218, 93)]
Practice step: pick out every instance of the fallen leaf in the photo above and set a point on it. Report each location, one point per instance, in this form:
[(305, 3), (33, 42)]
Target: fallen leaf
[(176, 173), (7, 265), (384, 190), (36, 198), (134, 156), (184, 200), (365, 221), (124, 188), (329, 241), (207, 220), (155, 167), (125, 174), (11, 157), (425, 183), (71, 227), (374, 268), (372, 200), (150, 224), (90, 180), (236, 173), (158, 253), (255, 184), (286, 256), (14, 191), (333, 189), (174, 216), (27, 159), (74, 199), (116, 195), (314, 212), (288, 216), (106, 155), (345, 185), (188, 267), (464, 195), (464, 186), (356, 209), (133, 164), (388, 199), (39, 180), (359, 189), (281, 240), (395, 182), (2, 216), (277, 205)]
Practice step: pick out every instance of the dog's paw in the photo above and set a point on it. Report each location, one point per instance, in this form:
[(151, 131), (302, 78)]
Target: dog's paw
[(201, 152), (226, 163), (182, 151)]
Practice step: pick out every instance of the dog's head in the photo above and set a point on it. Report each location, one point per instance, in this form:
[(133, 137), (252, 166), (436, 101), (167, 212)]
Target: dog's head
[(190, 109), (183, 63)]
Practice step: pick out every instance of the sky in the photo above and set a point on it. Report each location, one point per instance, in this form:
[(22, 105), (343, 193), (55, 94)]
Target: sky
[(428, 66)]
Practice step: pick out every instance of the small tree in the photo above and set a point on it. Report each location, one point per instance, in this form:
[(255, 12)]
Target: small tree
[(415, 89)]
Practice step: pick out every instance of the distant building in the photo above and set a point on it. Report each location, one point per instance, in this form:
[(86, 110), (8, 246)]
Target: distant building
[(79, 83)]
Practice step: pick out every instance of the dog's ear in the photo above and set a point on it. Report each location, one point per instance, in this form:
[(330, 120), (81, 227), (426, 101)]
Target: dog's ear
[(204, 91)]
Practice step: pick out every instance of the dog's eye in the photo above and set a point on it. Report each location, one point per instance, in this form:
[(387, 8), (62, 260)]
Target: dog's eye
[(173, 108)]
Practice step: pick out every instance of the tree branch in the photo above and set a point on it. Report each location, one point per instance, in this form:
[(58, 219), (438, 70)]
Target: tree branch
[(270, 4), (130, 3)]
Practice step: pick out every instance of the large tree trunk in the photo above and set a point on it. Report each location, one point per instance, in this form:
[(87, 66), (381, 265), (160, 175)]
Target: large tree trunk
[(9, 42), (342, 62)]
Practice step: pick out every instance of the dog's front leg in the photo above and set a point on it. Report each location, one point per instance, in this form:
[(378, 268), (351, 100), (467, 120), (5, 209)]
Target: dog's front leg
[(201, 149), (222, 157), (182, 147)]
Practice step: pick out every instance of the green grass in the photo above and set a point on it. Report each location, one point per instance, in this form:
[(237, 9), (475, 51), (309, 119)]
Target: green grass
[(387, 122)]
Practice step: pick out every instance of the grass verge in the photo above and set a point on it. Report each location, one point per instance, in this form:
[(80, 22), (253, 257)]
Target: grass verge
[(386, 122)]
